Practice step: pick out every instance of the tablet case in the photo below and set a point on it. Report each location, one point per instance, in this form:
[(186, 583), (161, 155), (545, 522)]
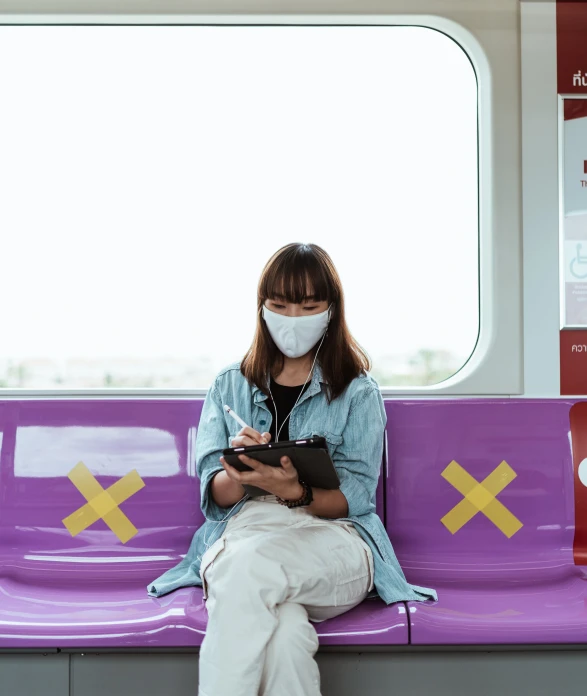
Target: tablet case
[(309, 456)]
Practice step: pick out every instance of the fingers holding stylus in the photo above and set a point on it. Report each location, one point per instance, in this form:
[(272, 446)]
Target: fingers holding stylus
[(247, 437)]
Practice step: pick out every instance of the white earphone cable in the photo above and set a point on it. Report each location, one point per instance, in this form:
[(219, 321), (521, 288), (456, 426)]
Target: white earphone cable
[(300, 394), (207, 536)]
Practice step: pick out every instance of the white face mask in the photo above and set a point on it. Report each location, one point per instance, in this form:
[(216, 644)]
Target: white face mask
[(295, 336)]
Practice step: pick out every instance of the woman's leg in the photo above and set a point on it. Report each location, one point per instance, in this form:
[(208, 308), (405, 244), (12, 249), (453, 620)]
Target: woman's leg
[(289, 668), (304, 561)]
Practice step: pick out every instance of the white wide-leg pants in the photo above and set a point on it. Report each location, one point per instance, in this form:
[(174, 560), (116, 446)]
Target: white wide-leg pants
[(272, 570)]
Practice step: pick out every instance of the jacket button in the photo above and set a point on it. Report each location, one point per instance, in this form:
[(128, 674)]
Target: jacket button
[(262, 422)]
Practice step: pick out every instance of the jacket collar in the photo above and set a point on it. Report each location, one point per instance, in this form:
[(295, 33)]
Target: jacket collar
[(314, 388)]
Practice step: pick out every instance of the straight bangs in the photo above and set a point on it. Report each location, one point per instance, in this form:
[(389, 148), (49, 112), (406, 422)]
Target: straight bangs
[(297, 277)]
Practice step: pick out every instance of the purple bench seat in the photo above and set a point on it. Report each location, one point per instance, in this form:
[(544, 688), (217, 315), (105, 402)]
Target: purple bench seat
[(33, 615), (59, 590), (492, 589)]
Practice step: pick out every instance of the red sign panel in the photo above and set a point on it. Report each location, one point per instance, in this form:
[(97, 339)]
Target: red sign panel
[(571, 30), (573, 359), (579, 438)]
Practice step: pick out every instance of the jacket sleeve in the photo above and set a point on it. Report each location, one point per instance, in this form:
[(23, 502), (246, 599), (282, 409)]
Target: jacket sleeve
[(358, 457), (212, 437)]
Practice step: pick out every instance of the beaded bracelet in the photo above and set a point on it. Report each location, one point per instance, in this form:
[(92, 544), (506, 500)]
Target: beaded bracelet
[(304, 500)]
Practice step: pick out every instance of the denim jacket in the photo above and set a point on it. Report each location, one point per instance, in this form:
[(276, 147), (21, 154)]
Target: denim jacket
[(353, 425)]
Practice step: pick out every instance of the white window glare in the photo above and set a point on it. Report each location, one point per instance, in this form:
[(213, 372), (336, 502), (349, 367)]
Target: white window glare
[(46, 451), (149, 172)]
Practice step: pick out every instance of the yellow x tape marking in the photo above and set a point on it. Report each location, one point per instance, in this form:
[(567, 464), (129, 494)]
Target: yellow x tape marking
[(480, 497), (103, 504)]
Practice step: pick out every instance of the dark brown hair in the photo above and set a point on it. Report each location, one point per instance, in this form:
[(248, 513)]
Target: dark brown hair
[(290, 274)]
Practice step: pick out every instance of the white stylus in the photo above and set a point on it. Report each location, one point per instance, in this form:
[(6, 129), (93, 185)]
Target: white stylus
[(239, 420)]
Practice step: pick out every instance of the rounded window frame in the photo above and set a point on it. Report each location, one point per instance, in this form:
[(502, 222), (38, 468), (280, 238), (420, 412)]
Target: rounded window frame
[(495, 364)]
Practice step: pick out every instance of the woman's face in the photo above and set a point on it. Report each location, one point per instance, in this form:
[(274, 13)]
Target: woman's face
[(290, 309)]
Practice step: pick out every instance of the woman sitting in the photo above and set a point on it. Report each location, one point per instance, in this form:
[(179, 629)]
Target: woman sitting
[(272, 564)]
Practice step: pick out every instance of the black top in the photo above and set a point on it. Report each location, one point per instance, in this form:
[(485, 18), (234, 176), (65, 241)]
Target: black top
[(285, 398)]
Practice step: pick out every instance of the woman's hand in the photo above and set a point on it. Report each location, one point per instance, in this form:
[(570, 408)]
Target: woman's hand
[(246, 437), (281, 481), (226, 491)]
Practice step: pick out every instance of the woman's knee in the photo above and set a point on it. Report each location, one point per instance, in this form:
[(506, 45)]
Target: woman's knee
[(243, 569)]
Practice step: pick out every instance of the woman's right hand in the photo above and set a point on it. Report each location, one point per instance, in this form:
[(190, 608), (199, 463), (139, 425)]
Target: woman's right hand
[(246, 437), (225, 491)]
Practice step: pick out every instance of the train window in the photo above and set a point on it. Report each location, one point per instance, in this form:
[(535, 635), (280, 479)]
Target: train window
[(148, 173)]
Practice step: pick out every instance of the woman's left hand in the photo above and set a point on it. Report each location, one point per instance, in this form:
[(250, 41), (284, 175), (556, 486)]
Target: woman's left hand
[(281, 481)]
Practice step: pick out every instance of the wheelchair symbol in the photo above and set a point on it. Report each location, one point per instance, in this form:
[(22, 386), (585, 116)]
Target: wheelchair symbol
[(579, 260)]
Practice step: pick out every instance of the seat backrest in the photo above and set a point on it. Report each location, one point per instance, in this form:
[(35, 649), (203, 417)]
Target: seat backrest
[(483, 544), (42, 441)]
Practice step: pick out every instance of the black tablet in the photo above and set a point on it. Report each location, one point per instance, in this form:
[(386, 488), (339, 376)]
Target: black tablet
[(309, 456)]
